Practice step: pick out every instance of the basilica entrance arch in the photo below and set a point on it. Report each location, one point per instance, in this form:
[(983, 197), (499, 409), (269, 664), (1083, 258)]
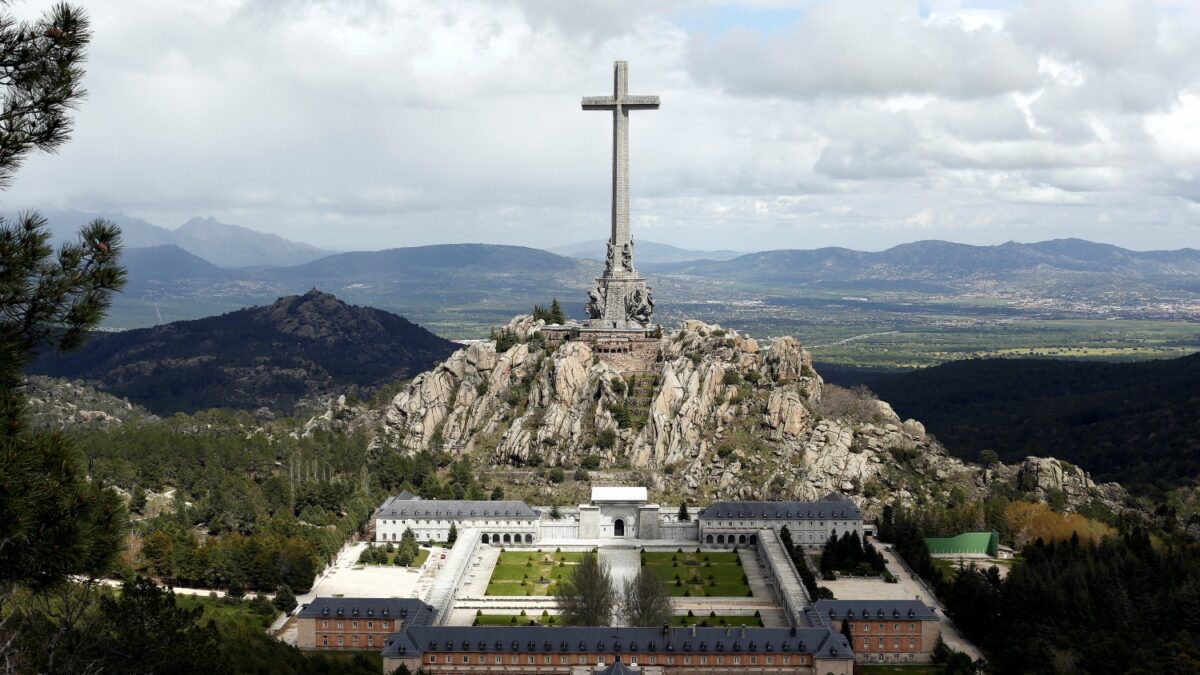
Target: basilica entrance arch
[(619, 527)]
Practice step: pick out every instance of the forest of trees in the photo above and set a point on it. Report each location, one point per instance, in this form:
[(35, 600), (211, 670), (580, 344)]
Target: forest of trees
[(1124, 602), (274, 507), (1130, 422), (849, 555)]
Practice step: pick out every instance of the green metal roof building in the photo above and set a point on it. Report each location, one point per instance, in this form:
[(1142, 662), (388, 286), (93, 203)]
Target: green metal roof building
[(965, 544)]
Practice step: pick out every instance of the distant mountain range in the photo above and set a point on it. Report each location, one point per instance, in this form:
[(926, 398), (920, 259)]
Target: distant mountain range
[(645, 252), (943, 263), (437, 285), (218, 243), (1136, 423), (206, 268), (272, 356)]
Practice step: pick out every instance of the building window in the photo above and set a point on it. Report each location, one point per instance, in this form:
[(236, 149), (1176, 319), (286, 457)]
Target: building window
[(324, 640), (341, 640), (370, 625), (432, 658), (324, 624), (383, 625), (912, 627), (354, 625), (499, 659), (466, 659), (449, 659), (370, 640), (866, 627)]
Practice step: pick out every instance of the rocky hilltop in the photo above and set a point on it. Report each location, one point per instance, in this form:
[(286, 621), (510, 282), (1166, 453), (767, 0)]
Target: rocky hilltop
[(272, 357), (717, 416), (62, 404)]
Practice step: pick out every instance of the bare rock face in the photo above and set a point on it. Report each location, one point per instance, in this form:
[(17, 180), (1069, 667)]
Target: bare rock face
[(787, 360), (1045, 476), (720, 417), (786, 414)]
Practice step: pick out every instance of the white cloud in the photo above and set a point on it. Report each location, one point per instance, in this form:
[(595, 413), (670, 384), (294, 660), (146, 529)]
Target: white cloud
[(369, 123)]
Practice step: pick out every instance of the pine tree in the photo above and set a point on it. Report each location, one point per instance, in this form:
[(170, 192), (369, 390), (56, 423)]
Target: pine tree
[(452, 536), (684, 516), (556, 312), (285, 599), (53, 521)]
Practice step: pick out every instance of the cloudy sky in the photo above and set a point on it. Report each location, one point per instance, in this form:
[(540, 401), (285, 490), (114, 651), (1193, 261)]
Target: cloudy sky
[(357, 124)]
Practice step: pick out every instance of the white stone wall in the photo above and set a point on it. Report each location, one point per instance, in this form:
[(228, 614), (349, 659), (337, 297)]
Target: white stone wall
[(807, 533), (438, 529)]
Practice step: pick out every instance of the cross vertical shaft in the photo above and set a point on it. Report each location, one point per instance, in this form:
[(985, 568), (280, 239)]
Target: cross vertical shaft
[(620, 257), (620, 177)]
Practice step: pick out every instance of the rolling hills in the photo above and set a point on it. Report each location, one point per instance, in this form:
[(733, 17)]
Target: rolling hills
[(949, 264)]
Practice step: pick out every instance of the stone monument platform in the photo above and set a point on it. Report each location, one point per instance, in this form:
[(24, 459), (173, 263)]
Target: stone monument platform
[(624, 349)]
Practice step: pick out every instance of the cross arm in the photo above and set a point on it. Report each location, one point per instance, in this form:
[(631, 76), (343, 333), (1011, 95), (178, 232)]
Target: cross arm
[(599, 103), (640, 102)]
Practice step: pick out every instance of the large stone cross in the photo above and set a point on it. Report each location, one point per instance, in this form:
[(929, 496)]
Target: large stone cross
[(620, 254)]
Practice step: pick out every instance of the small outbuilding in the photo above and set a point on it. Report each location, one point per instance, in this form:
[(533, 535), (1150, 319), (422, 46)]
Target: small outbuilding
[(965, 545)]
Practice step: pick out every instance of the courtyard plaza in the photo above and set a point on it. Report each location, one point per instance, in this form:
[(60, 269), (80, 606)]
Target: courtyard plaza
[(492, 583)]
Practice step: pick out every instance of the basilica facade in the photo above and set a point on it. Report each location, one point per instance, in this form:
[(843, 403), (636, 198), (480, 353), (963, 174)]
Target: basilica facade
[(616, 513)]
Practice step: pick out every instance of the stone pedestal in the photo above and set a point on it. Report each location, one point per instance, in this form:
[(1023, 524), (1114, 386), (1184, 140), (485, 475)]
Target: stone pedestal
[(625, 303)]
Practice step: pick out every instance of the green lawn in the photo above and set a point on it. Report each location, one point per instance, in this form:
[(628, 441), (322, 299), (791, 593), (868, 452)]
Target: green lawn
[(700, 574), (224, 614), (683, 621), (949, 566), (422, 555), (718, 620), (512, 620), (530, 572)]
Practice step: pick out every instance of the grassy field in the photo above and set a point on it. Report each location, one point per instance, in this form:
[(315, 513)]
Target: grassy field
[(717, 620), (700, 574), (682, 621), (948, 339), (530, 572), (224, 614), (422, 556), (512, 620), (949, 567)]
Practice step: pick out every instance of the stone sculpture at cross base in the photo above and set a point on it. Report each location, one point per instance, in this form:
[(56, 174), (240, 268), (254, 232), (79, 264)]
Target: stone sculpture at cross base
[(621, 299)]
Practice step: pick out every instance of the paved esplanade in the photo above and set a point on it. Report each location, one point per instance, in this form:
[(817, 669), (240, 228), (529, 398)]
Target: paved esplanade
[(621, 299)]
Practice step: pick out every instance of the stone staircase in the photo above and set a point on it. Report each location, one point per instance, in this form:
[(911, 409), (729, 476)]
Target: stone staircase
[(640, 395)]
